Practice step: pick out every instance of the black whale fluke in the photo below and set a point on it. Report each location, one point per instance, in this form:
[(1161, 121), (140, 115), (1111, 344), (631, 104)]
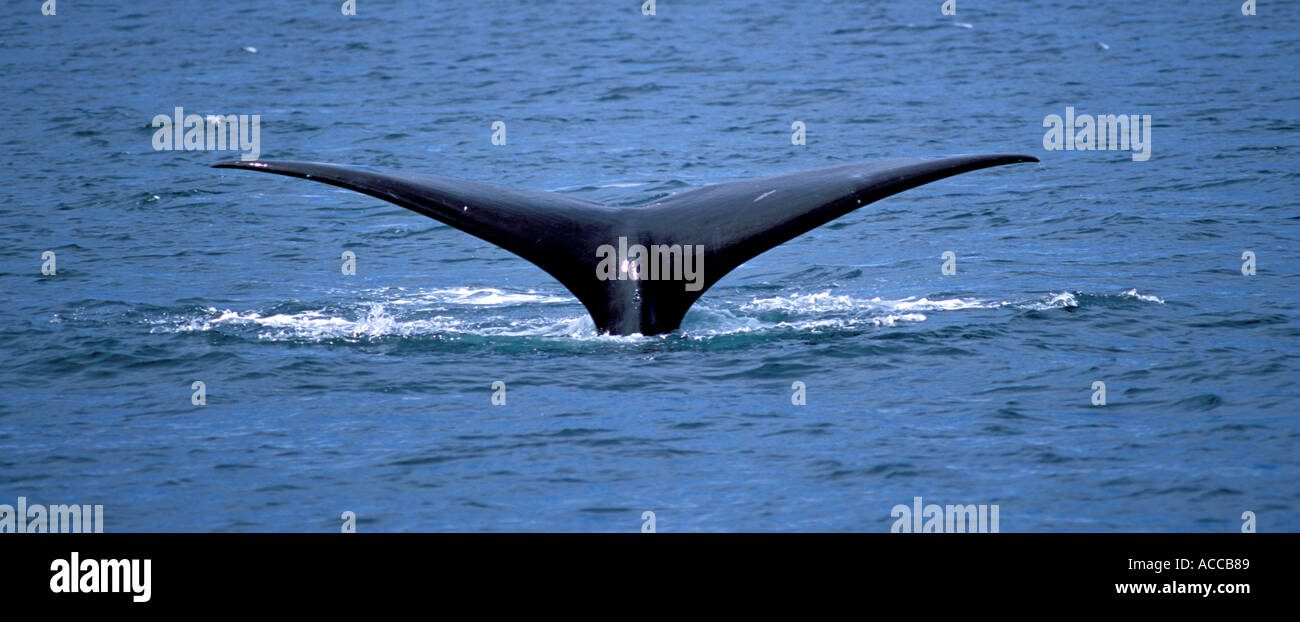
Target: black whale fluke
[(564, 235)]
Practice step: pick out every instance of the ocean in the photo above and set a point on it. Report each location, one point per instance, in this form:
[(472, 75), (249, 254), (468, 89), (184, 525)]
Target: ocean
[(1168, 284)]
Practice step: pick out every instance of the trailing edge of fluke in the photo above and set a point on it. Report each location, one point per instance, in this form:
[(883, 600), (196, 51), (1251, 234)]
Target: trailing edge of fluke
[(638, 269)]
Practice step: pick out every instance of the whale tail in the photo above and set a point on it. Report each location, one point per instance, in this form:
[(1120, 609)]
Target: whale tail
[(639, 269)]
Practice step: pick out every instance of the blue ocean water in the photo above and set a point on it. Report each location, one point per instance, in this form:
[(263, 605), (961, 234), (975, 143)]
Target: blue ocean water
[(370, 393)]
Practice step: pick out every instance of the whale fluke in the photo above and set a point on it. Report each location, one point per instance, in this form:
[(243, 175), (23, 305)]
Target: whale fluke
[(638, 269)]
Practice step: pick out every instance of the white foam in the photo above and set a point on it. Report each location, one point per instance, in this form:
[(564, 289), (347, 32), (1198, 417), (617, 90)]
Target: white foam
[(375, 323), (396, 312), (1133, 293), (1061, 300), (826, 302), (493, 297), (803, 303), (890, 320), (925, 304), (487, 297)]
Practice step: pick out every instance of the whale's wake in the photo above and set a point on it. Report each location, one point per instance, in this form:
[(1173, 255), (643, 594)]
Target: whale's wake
[(453, 313)]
